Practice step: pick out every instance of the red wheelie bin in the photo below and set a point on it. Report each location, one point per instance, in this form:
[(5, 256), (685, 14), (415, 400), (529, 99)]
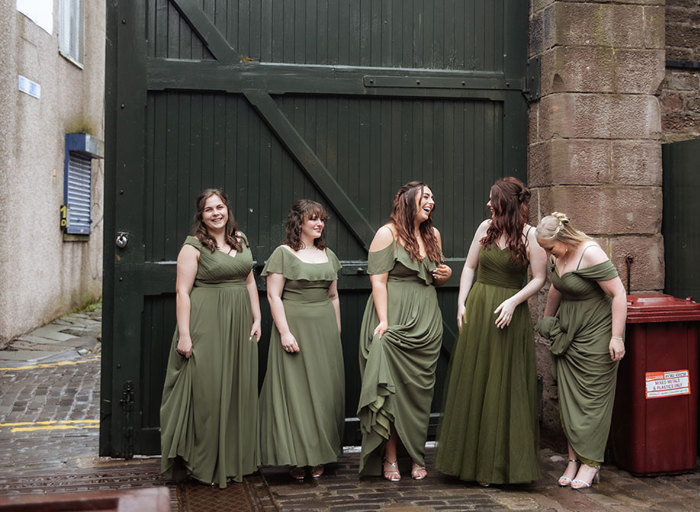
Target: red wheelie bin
[(654, 424)]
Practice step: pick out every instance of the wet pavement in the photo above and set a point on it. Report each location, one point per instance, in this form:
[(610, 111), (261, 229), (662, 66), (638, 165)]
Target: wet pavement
[(49, 432)]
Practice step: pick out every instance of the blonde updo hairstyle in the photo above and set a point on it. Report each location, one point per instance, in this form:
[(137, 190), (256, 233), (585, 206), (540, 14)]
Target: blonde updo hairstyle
[(557, 228)]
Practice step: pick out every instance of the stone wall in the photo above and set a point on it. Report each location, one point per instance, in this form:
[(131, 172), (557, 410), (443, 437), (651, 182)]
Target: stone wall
[(42, 275), (680, 91), (595, 137)]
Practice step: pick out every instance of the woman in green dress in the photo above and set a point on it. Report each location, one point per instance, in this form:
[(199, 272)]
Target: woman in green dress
[(302, 403), (208, 413), (585, 321), (401, 334), (489, 430)]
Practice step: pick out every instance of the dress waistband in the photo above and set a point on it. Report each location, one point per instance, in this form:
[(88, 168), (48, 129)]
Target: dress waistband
[(235, 283)]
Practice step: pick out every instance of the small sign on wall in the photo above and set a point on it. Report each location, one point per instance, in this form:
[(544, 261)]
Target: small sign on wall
[(665, 384), (29, 87)]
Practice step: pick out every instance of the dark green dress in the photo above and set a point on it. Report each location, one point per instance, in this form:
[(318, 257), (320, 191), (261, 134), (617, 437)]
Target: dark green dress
[(580, 334), (302, 403), (489, 430), (208, 414), (398, 369)]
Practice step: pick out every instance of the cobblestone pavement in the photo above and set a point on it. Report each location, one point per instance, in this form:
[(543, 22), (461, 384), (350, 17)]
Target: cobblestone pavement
[(49, 401)]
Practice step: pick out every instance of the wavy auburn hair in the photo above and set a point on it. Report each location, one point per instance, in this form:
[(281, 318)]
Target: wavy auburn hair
[(200, 231), (301, 211), (509, 200), (403, 214)]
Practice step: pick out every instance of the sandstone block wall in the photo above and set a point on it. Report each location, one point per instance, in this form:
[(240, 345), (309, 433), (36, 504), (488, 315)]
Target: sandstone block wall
[(595, 137), (680, 94)]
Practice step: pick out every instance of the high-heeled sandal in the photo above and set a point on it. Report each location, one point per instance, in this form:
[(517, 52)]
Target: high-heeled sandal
[(418, 472), (565, 481), (391, 471), (578, 484), (297, 473), (317, 471)]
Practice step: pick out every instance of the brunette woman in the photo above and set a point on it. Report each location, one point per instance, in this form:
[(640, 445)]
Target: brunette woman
[(489, 431), (302, 403), (585, 321), (208, 414), (401, 335)]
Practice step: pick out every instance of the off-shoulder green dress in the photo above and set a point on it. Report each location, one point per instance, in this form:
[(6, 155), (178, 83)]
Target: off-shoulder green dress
[(489, 430), (398, 369), (208, 413), (302, 402), (580, 334)]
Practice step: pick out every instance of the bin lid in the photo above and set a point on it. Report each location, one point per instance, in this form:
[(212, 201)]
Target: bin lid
[(643, 308)]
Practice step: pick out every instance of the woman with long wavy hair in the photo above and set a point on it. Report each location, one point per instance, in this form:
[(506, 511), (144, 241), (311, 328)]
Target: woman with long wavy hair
[(401, 335), (489, 431), (208, 414), (302, 402)]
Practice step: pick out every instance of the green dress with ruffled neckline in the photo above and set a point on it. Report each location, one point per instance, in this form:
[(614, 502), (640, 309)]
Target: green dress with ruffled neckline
[(209, 408), (398, 369), (302, 402), (586, 376)]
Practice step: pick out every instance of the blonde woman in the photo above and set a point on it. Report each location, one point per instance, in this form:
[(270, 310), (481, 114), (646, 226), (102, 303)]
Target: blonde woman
[(585, 321)]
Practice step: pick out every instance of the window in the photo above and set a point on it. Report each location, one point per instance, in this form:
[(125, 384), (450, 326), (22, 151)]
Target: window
[(70, 30), (75, 213)]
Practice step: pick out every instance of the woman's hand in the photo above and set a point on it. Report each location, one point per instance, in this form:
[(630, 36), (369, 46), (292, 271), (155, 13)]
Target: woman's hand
[(184, 346), (617, 348), (255, 330), (442, 274), (461, 311), (289, 343), (506, 310), (380, 329)]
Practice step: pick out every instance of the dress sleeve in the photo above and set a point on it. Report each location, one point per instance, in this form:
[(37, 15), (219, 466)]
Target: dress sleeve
[(191, 240), (275, 263), (600, 272), (333, 259), (244, 239), (381, 261)]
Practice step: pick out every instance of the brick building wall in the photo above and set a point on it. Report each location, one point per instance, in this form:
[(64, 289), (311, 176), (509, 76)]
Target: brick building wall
[(680, 90), (595, 138)]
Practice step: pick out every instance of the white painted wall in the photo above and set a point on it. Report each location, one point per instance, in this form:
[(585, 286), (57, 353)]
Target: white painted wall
[(42, 275)]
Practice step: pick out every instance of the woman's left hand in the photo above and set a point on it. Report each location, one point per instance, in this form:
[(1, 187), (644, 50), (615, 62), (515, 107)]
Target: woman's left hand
[(256, 330), (506, 310), (442, 274), (617, 348)]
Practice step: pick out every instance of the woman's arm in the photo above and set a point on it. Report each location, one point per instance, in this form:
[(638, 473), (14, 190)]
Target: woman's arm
[(275, 287), (335, 300), (538, 266), (382, 239), (252, 288), (467, 277), (187, 261), (442, 273), (613, 288), (553, 301)]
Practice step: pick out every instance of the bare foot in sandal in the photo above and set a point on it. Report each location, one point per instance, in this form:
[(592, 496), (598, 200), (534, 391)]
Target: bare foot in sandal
[(418, 472), (391, 471)]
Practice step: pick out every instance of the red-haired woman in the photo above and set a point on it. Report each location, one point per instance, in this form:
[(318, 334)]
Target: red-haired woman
[(401, 335), (302, 402), (489, 432), (208, 414)]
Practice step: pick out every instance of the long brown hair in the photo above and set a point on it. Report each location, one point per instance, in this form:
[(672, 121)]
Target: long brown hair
[(509, 200), (300, 212), (200, 231), (403, 214)]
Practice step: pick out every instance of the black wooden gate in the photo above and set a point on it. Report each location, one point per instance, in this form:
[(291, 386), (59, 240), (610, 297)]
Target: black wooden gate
[(681, 218), (273, 100)]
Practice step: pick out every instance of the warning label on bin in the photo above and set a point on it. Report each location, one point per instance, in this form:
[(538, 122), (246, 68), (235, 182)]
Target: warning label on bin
[(663, 384)]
